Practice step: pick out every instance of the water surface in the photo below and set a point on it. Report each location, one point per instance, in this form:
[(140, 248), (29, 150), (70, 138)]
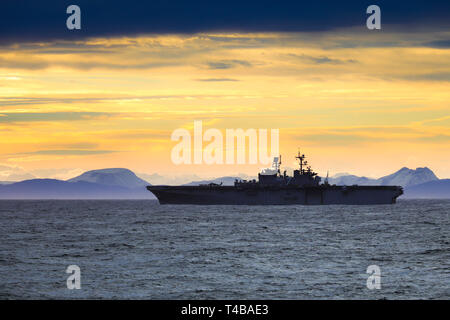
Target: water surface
[(141, 250)]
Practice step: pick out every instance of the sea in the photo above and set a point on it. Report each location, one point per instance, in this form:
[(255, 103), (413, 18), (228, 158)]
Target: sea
[(142, 250)]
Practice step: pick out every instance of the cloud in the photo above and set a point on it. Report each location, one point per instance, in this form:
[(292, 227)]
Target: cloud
[(440, 44), (32, 63), (29, 101), (69, 152), (228, 64), (58, 173), (217, 80), (77, 145), (359, 135), (331, 139), (321, 59), (29, 64), (125, 66), (36, 21), (50, 116), (14, 173), (139, 134), (436, 76), (439, 138)]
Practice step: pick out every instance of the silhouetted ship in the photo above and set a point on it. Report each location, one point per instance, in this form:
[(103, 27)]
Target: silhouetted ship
[(274, 188)]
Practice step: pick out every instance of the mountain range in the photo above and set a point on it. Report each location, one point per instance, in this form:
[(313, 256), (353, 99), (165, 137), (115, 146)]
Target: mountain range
[(417, 183), (120, 183), (115, 183), (404, 177), (420, 183), (116, 177)]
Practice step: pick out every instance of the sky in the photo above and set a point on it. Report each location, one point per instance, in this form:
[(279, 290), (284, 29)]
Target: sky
[(368, 102)]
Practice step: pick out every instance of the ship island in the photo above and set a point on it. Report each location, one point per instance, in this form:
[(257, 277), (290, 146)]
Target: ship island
[(304, 187)]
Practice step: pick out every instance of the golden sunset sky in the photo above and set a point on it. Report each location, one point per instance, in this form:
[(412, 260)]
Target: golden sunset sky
[(353, 101)]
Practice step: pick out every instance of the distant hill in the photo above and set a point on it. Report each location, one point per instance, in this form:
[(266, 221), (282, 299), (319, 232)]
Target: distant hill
[(6, 182), (157, 179), (114, 183), (404, 177), (120, 183), (117, 177), (418, 183), (439, 189), (58, 189), (347, 180)]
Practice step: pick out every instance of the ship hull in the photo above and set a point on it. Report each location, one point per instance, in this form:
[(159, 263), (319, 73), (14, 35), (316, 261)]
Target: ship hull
[(321, 195)]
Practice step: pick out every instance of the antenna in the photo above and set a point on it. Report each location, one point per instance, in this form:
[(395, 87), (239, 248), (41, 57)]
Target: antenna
[(279, 165), (276, 164)]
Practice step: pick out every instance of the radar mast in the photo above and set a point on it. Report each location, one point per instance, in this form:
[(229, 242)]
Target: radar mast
[(301, 161)]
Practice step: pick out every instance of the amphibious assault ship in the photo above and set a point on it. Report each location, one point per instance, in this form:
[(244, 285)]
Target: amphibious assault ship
[(274, 188)]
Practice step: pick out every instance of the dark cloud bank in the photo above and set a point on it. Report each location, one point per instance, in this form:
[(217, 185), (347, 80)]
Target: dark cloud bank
[(31, 21)]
